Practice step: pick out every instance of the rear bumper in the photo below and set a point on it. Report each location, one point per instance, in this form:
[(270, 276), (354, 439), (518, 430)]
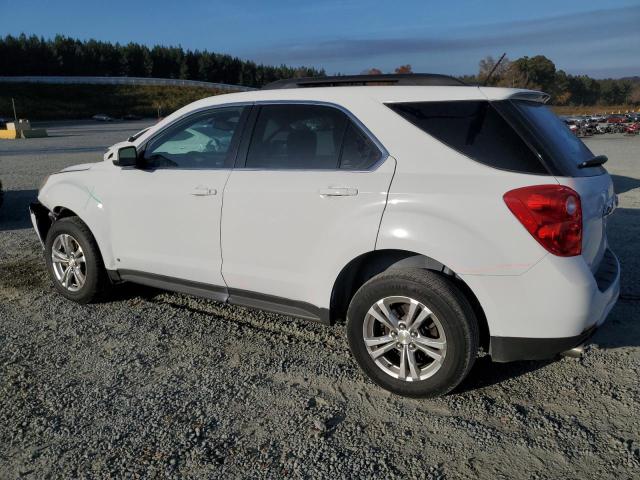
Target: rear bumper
[(510, 349), (555, 306)]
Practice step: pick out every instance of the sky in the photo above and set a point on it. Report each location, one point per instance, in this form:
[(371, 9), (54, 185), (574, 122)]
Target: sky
[(597, 38)]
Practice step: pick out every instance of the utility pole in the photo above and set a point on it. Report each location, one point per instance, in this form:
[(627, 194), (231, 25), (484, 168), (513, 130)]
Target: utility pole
[(15, 116)]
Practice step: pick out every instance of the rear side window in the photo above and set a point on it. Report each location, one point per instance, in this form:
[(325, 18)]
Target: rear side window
[(308, 137), (476, 129), (296, 137)]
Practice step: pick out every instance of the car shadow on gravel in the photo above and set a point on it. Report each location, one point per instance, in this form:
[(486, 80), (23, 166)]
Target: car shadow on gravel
[(486, 373), (14, 212), (622, 184), (128, 291)]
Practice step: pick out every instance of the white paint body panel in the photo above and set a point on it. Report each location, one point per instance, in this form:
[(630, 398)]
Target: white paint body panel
[(281, 237), (277, 235), (159, 226)]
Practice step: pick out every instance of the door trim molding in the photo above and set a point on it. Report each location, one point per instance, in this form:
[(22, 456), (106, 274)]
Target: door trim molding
[(272, 303), (232, 296), (179, 285)]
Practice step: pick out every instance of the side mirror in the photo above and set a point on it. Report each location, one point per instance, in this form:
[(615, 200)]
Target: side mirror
[(127, 157)]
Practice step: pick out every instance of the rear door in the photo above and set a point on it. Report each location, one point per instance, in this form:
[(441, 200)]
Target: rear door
[(306, 197)]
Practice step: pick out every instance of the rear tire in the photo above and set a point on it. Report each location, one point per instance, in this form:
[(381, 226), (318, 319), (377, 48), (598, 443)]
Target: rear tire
[(74, 261), (426, 342)]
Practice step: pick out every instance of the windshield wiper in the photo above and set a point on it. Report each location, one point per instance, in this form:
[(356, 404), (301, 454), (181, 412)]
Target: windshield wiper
[(595, 161)]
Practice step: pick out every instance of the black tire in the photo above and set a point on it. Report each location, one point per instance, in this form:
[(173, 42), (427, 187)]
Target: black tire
[(96, 284), (452, 310)]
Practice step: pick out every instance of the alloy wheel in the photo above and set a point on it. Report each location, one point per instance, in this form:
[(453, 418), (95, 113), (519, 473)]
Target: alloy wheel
[(404, 338), (69, 263)]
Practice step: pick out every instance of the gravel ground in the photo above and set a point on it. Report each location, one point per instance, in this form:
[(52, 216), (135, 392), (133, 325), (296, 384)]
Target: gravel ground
[(154, 384)]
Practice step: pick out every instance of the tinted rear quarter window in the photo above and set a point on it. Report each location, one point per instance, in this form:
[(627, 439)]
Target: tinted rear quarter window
[(475, 129), (560, 148)]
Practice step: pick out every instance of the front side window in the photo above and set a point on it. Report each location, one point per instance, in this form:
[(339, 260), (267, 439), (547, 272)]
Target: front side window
[(206, 140)]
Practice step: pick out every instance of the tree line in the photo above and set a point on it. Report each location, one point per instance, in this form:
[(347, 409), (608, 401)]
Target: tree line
[(32, 55), (65, 56), (540, 73)]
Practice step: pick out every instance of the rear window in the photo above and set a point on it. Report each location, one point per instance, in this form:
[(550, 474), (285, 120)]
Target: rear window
[(476, 129), (561, 150)]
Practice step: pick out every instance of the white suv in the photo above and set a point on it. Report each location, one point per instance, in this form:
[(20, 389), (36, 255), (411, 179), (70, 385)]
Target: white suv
[(437, 219)]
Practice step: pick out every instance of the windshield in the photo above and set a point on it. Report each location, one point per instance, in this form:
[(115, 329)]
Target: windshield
[(560, 148), (133, 138)]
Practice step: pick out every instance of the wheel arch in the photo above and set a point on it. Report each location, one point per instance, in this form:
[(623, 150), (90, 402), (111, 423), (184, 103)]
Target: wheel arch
[(46, 218), (359, 270)]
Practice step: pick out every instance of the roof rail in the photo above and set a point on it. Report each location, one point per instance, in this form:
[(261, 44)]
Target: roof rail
[(422, 79)]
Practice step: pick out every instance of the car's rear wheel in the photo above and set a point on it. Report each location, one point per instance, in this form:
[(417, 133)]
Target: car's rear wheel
[(413, 332), (74, 261)]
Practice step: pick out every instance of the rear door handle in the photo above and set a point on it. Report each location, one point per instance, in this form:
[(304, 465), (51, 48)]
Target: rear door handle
[(202, 191), (338, 192)]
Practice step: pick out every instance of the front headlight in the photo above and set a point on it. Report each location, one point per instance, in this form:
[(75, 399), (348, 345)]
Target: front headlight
[(43, 182)]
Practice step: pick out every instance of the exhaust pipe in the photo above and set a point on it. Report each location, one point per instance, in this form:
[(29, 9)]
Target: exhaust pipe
[(575, 352)]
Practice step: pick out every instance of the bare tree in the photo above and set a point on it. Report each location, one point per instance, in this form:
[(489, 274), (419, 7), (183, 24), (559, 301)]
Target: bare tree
[(487, 64)]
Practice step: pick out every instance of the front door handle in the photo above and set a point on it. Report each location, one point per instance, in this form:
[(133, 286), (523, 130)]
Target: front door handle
[(338, 192), (202, 191)]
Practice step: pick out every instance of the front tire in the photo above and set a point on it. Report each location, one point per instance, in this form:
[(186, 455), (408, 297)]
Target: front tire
[(74, 261), (413, 332)]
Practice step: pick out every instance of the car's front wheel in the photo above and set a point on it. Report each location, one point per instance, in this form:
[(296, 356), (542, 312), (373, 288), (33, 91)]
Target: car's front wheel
[(74, 261), (412, 332)]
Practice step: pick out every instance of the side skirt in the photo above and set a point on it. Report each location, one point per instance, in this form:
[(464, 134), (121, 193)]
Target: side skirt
[(231, 296), (163, 282)]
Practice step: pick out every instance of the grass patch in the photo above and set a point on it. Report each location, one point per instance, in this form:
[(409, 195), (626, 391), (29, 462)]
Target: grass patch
[(57, 102)]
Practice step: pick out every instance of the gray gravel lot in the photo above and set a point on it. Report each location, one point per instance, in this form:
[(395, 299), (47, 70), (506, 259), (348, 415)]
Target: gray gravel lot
[(155, 384)]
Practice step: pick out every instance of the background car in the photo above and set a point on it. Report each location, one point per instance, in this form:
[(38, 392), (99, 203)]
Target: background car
[(616, 119), (101, 117)]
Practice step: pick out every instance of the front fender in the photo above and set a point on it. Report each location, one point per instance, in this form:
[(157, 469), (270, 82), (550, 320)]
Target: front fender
[(76, 191)]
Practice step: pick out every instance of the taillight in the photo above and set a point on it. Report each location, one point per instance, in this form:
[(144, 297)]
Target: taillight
[(552, 214)]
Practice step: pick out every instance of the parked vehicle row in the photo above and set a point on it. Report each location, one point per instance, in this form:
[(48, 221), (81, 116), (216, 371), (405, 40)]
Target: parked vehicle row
[(587, 125)]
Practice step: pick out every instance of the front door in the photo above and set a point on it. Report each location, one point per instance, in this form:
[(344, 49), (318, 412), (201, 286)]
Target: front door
[(165, 216)]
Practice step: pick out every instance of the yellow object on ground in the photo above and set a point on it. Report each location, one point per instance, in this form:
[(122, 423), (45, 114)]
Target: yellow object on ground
[(8, 134), (22, 129)]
